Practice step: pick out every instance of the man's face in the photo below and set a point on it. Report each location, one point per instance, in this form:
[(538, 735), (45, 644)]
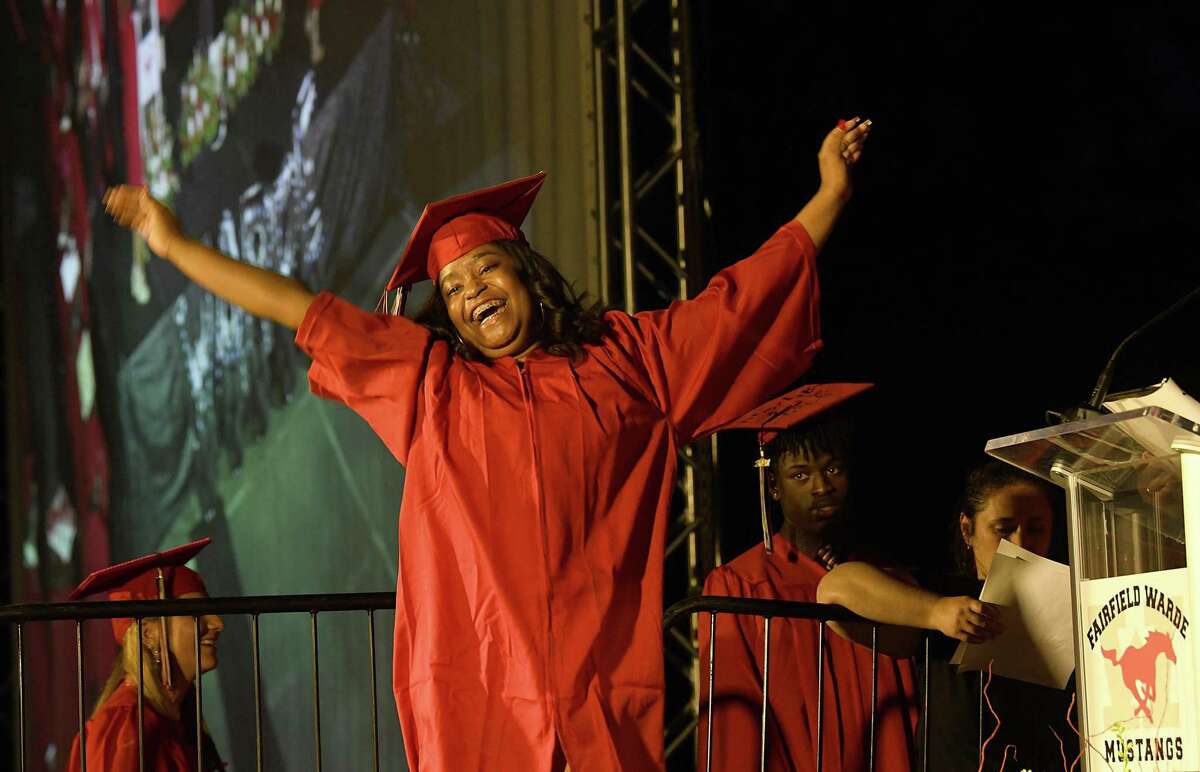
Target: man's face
[(811, 490)]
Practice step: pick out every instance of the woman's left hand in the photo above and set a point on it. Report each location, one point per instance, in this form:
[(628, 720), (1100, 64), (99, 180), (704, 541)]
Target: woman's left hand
[(842, 149)]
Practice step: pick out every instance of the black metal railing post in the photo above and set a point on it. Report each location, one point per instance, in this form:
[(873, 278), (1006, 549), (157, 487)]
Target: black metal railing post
[(79, 686), (316, 665), (258, 728), (196, 687), (874, 697), (712, 660), (21, 692), (925, 712), (374, 689), (766, 684), (820, 695), (141, 710)]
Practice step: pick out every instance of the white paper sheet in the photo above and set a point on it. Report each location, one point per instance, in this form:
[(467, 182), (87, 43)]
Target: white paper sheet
[(1034, 594), (1165, 394)]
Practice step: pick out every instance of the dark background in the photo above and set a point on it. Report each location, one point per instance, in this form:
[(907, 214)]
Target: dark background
[(1027, 198)]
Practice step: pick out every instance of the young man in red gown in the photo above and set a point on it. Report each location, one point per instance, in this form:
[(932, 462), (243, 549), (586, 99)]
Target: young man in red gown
[(812, 479)]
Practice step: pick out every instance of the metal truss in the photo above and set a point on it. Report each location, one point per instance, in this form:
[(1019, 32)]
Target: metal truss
[(649, 220)]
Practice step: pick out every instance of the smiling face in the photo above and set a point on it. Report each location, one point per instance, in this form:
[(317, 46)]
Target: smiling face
[(1019, 512), (488, 302), (182, 644)]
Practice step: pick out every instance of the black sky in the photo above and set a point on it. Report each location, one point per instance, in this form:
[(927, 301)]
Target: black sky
[(1029, 196)]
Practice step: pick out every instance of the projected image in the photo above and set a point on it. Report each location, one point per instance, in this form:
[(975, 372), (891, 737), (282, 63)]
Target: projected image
[(302, 136), (283, 152)]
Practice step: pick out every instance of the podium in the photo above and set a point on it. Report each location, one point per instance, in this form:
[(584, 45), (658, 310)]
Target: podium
[(1132, 483)]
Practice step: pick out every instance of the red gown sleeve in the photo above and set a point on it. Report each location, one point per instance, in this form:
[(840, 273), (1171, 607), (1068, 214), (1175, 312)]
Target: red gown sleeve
[(737, 688), (745, 338), (373, 363)]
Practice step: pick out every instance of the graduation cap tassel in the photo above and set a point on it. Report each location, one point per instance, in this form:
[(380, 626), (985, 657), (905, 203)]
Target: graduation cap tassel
[(400, 301), (393, 305), (163, 650), (762, 463)]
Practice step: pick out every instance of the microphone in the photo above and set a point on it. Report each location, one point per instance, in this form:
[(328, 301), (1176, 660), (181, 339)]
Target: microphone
[(1095, 404)]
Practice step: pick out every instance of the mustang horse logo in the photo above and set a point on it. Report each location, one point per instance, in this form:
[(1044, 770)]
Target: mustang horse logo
[(1137, 665)]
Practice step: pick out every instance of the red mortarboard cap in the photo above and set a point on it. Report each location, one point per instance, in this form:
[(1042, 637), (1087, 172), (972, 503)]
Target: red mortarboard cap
[(796, 406), (450, 228), (136, 579)]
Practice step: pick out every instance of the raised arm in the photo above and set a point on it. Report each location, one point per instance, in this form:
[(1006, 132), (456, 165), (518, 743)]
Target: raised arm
[(875, 594), (261, 292), (840, 150), (756, 327)]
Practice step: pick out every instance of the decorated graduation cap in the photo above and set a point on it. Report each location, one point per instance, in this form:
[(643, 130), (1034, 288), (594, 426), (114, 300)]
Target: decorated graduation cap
[(450, 228), (782, 413), (157, 576)]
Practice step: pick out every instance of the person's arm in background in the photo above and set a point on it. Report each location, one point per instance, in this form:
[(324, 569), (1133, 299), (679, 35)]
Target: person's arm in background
[(881, 596), (263, 293)]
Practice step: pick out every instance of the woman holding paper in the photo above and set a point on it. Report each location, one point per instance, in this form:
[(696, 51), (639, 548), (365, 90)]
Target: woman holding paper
[(998, 502)]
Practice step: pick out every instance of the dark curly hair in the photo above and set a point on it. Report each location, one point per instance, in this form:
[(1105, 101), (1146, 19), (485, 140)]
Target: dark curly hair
[(830, 432), (566, 320), (984, 480)]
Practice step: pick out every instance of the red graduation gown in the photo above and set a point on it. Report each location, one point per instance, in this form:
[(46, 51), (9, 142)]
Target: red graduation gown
[(536, 500), (112, 738), (792, 719)]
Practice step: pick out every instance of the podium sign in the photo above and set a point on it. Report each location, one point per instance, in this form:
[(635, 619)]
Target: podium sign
[(1133, 525)]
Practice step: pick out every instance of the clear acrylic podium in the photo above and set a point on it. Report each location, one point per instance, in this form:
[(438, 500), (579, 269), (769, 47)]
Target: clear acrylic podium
[(1132, 481)]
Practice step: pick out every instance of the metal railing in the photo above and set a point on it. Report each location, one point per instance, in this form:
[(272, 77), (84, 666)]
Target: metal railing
[(20, 615), (822, 614)]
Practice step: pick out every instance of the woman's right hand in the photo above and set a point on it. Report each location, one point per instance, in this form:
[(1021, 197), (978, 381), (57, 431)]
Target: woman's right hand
[(134, 208), (839, 152), (966, 619), (264, 293)]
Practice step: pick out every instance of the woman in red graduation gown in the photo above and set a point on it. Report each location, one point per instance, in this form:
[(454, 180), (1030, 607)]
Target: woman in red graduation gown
[(169, 669), (539, 441)]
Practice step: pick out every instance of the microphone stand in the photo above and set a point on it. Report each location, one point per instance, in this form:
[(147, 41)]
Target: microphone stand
[(1095, 404)]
